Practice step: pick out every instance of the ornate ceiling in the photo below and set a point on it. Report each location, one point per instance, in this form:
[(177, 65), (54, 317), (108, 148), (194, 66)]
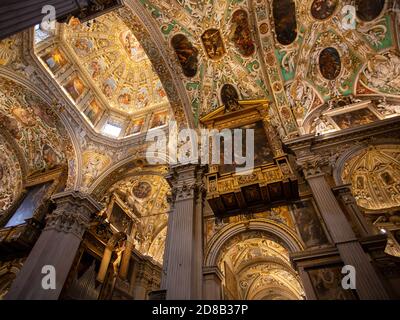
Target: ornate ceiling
[(105, 71), (259, 268), (33, 125), (116, 64), (144, 198), (375, 175), (298, 54)]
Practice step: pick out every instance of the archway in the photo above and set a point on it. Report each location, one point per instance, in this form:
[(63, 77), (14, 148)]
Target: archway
[(254, 261)]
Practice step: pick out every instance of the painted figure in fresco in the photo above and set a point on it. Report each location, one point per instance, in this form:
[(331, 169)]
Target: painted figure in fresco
[(133, 47), (137, 126), (93, 167), (125, 98), (159, 120), (284, 12), (142, 97), (24, 116), (187, 54), (241, 33), (330, 63), (49, 156), (213, 43), (142, 190), (109, 87), (12, 125), (83, 46), (355, 118), (93, 111), (322, 9), (75, 88), (230, 98), (44, 114), (54, 60), (95, 68)]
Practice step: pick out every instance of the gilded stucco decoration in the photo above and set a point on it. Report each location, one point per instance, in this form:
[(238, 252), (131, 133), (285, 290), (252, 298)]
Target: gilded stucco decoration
[(145, 198), (375, 175), (105, 72), (219, 32), (10, 176), (357, 56), (34, 126), (116, 64), (258, 268)]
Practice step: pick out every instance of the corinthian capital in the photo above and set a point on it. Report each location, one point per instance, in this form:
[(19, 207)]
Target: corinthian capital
[(73, 212), (311, 166)]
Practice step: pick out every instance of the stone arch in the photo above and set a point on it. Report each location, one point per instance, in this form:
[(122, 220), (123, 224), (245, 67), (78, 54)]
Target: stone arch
[(353, 152), (142, 25), (70, 146), (116, 172), (274, 230), (373, 171)]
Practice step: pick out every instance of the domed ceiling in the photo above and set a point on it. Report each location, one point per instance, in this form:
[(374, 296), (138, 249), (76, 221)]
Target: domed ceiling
[(297, 54), (116, 63), (105, 71)]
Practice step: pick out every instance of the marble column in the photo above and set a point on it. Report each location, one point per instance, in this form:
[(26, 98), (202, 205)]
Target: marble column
[(345, 195), (57, 246), (212, 283), (183, 275), (368, 283)]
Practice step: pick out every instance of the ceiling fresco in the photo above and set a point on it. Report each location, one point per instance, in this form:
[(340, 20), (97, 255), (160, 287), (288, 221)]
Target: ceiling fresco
[(105, 71), (116, 63), (374, 175), (34, 126), (309, 53), (214, 44), (257, 267)]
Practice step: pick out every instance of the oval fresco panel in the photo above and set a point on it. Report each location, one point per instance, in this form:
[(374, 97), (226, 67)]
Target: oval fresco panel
[(368, 10), (241, 33), (284, 12), (323, 9), (187, 54), (142, 190), (330, 63), (229, 97)]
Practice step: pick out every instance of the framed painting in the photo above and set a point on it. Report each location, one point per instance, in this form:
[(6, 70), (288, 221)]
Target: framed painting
[(159, 119), (351, 117)]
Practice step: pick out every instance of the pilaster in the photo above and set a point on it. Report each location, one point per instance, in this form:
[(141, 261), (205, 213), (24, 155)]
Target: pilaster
[(183, 275)]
